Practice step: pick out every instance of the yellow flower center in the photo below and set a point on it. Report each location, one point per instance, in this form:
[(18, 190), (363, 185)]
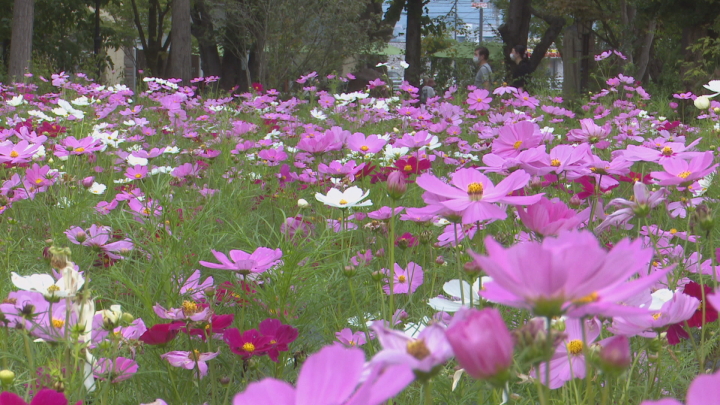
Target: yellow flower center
[(657, 316), (273, 341), (189, 308), (364, 148), (417, 349), (592, 297), (475, 191), (684, 175), (58, 323), (402, 279), (673, 231), (352, 343), (79, 150), (14, 154), (517, 144), (138, 175), (555, 163), (248, 347), (194, 355), (38, 181), (575, 347), (407, 168), (342, 202), (53, 288), (667, 151)]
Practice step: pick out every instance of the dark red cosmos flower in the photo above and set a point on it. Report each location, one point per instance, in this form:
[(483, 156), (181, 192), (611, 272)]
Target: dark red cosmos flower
[(50, 129), (280, 336), (161, 333), (217, 324), (412, 165), (258, 87), (247, 344), (43, 397), (588, 184), (693, 289), (669, 126), (633, 178), (677, 331)]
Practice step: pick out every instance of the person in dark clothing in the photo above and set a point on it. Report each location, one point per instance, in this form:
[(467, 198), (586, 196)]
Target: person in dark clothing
[(522, 71)]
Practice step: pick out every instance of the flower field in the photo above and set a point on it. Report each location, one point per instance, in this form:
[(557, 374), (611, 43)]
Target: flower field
[(174, 246)]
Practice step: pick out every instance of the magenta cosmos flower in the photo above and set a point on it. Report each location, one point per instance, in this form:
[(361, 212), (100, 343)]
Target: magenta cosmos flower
[(405, 281), (333, 376), (479, 100), (679, 171), (571, 272), (43, 397), (514, 138), (117, 370), (640, 206), (472, 195), (705, 389), (245, 263)]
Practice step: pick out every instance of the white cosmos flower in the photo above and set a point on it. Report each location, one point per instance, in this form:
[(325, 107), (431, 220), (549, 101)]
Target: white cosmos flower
[(351, 197), (704, 183), (404, 64), (111, 315), (713, 86), (460, 290), (134, 160), (81, 101), (171, 149), (66, 109), (317, 114), (16, 101), (97, 188), (46, 285)]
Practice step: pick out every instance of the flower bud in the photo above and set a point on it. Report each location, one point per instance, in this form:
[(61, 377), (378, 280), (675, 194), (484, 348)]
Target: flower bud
[(703, 217), (349, 271), (575, 201), (472, 267), (377, 276), (716, 110), (302, 203), (87, 182), (482, 344), (702, 103), (7, 377), (59, 257), (614, 357), (396, 185), (440, 260)]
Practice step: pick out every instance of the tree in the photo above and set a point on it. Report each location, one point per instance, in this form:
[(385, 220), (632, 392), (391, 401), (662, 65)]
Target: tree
[(181, 50), (413, 41), (21, 42), (154, 49)]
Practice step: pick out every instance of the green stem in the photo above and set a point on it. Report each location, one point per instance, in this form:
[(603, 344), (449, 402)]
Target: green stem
[(427, 393), (606, 392), (391, 259), (459, 267)]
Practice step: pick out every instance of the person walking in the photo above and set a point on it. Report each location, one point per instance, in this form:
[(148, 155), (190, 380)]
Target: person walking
[(522, 71), (427, 92), (483, 78)]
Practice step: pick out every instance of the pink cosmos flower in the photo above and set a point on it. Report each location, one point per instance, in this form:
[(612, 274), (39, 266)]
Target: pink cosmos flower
[(479, 100), (704, 389), (472, 195), (669, 150), (514, 138), (429, 350), (188, 360), (137, 172), (117, 370), (570, 272), (405, 281), (195, 288), (348, 338), (333, 376), (679, 171), (245, 263), (84, 146), (22, 152), (678, 309), (358, 142), (189, 310), (568, 362), (590, 132), (549, 217), (640, 206)]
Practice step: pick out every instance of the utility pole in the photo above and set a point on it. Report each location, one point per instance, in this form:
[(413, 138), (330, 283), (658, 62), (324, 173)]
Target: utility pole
[(481, 7), (456, 19)]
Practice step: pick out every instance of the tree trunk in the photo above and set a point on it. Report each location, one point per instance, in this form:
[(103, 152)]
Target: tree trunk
[(181, 48), (21, 42), (571, 62), (413, 44), (555, 27), (516, 28), (231, 69), (644, 58), (203, 29)]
